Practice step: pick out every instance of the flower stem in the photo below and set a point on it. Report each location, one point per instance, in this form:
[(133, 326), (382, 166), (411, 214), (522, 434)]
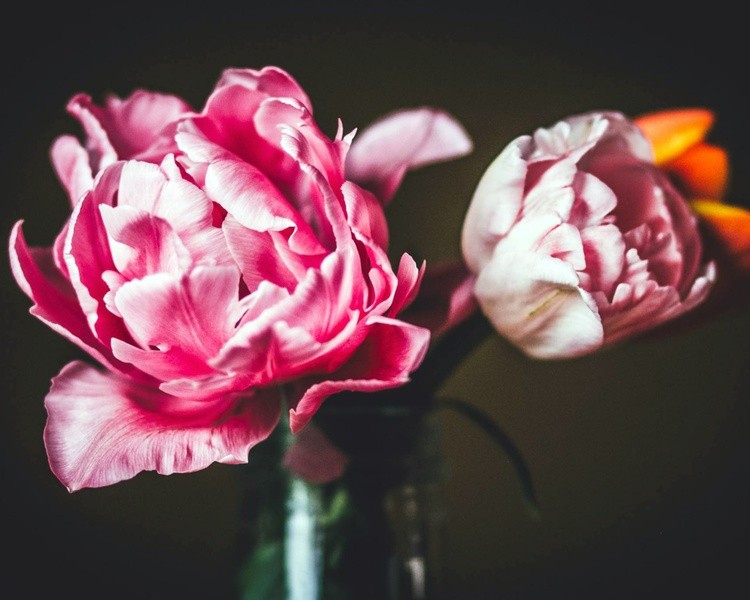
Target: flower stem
[(448, 352), (504, 442)]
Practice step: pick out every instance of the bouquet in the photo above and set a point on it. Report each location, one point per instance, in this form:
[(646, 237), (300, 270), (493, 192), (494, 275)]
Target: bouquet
[(227, 270)]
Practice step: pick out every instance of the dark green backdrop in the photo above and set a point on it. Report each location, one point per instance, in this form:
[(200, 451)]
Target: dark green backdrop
[(640, 454)]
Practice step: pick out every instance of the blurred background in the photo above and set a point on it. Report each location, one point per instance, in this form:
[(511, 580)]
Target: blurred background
[(639, 455)]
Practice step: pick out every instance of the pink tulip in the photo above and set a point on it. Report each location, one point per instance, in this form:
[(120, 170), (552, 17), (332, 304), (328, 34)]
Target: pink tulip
[(213, 259), (579, 241)]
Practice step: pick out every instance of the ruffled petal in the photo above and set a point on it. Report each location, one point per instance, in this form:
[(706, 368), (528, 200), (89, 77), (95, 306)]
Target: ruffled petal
[(382, 153), (535, 302), (54, 299), (87, 256), (248, 195), (269, 81), (102, 429), (135, 124), (71, 163), (391, 351), (640, 307), (196, 312), (497, 200)]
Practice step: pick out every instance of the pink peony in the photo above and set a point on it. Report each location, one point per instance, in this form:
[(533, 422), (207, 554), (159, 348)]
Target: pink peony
[(579, 241), (213, 259)]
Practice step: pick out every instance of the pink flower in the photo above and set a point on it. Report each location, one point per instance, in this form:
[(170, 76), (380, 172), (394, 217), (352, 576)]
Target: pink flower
[(211, 259), (579, 241)]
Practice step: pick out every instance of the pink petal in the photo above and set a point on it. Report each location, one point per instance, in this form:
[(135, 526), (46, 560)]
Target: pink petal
[(195, 312), (101, 152), (604, 249), (71, 163), (595, 201), (54, 300), (391, 351), (641, 307), (365, 214), (534, 301), (270, 81), (409, 278), (497, 200), (262, 256), (228, 121), (100, 429), (408, 139), (278, 118), (314, 458), (134, 124), (164, 365), (142, 244), (246, 194), (317, 194), (550, 191), (87, 256)]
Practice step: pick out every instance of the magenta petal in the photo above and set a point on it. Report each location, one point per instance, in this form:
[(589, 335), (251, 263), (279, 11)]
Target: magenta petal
[(134, 124), (365, 213), (271, 81), (382, 153), (87, 256), (99, 430), (101, 152), (409, 278), (391, 351), (195, 312), (54, 299), (142, 243)]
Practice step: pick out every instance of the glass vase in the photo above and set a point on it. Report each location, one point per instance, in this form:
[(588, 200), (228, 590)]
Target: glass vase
[(365, 521)]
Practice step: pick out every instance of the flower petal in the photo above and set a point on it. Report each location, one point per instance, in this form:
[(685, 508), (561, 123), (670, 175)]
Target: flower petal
[(101, 429), (195, 312), (408, 139), (71, 163), (535, 302), (55, 302), (497, 200), (314, 458), (701, 171), (270, 81), (391, 351), (87, 256), (729, 228), (672, 132)]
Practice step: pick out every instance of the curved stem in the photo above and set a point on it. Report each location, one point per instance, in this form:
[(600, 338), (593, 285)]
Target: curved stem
[(448, 352), (506, 444)]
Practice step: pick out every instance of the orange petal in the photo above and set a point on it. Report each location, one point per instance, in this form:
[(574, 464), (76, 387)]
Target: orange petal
[(730, 225), (702, 171), (671, 132)]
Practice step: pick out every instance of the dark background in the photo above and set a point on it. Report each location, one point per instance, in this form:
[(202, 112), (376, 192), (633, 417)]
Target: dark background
[(640, 454)]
